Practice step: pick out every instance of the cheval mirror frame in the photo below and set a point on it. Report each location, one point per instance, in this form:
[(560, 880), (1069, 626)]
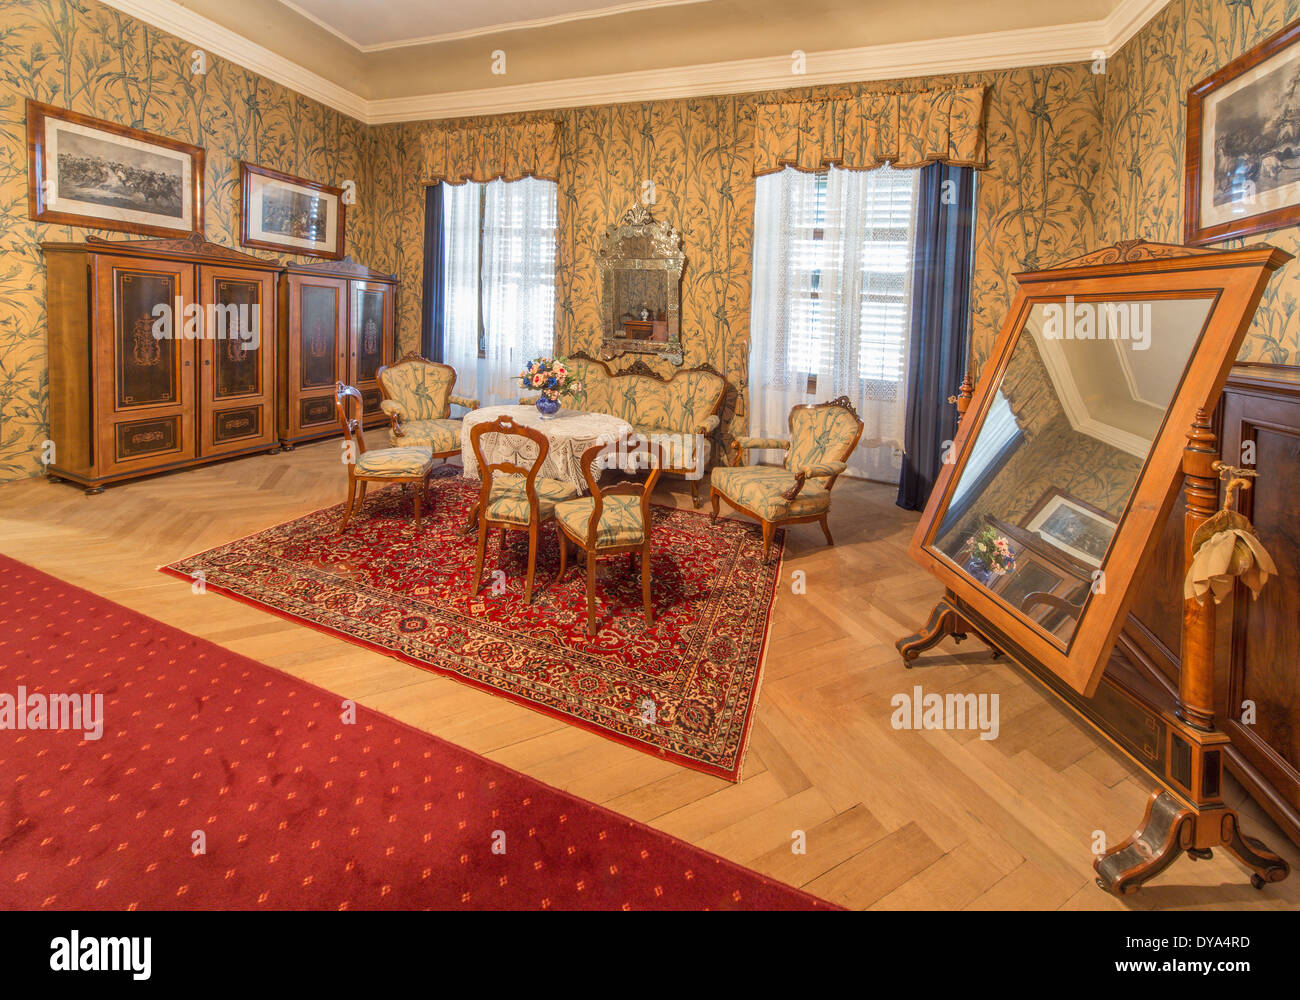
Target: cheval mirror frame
[(1189, 815)]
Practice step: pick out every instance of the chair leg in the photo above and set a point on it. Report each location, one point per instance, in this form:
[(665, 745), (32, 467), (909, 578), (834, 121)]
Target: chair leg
[(428, 496), (591, 593), (714, 497), (361, 497), (695, 493), (478, 559), (645, 584), (352, 499), (419, 499), (532, 563), (769, 529), (564, 553), (826, 531)]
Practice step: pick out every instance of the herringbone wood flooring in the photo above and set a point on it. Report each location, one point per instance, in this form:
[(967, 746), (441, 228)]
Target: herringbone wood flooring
[(892, 819)]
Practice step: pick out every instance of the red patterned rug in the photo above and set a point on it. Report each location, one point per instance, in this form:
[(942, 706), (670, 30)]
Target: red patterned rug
[(217, 782), (683, 689)]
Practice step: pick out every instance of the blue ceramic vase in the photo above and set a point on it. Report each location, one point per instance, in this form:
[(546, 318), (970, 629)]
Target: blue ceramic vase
[(547, 407)]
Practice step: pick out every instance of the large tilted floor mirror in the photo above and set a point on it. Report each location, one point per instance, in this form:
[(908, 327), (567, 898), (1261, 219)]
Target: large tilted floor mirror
[(1091, 414)]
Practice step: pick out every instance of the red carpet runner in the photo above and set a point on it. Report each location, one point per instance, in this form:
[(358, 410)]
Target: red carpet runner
[(684, 688), (294, 809)]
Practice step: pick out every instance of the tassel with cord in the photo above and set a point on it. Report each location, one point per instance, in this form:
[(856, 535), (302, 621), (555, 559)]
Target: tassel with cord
[(1227, 547)]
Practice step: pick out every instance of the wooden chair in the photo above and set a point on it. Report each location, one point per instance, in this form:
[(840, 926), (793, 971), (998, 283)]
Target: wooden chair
[(822, 437), (379, 465), (417, 398), (522, 502), (612, 520)]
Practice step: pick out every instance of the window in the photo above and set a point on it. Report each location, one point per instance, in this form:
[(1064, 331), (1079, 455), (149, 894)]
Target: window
[(498, 272), (831, 307)]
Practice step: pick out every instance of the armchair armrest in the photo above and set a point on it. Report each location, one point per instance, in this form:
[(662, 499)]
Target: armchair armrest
[(466, 401), (392, 408), (741, 444), (528, 400), (708, 425), (823, 469)]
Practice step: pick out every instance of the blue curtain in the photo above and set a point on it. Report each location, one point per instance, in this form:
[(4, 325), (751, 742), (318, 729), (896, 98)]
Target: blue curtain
[(434, 283), (941, 280)]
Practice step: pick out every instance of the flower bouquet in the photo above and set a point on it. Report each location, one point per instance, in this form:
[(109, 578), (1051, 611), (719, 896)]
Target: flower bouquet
[(989, 555), (550, 378)]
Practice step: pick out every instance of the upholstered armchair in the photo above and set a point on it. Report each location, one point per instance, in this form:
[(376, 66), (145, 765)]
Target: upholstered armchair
[(822, 437), (417, 398)]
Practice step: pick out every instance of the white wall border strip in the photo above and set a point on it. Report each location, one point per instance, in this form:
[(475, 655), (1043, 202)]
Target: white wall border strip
[(994, 50)]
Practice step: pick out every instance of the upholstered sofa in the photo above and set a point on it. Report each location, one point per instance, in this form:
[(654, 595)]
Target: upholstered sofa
[(680, 413), (417, 398)]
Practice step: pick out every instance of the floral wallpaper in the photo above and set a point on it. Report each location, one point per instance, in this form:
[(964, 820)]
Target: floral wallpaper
[(1141, 186), (1035, 206), (82, 55), (1076, 159)]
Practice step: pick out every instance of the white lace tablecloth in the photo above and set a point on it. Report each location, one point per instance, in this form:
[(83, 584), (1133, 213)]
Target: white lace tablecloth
[(569, 433)]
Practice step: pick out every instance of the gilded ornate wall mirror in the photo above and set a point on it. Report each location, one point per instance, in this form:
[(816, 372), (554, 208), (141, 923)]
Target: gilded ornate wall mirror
[(1069, 454), (641, 276)]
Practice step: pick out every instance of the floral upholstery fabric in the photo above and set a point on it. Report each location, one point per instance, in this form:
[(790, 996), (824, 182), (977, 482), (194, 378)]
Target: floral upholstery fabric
[(820, 434), (394, 462), (675, 409), (508, 500), (421, 391), (439, 435), (680, 451), (620, 519), (758, 488)]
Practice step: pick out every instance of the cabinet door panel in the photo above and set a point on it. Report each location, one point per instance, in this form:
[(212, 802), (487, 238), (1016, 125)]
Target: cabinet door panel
[(371, 335), (144, 363), (317, 350), (237, 375)]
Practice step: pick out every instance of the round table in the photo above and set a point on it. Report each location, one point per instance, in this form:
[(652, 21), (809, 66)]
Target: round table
[(569, 433)]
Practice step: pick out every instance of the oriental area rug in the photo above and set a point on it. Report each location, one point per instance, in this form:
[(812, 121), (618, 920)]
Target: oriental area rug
[(684, 688), (148, 769)]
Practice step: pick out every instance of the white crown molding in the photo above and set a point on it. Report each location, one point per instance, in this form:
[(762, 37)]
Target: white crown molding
[(994, 50), (492, 29), (233, 47)]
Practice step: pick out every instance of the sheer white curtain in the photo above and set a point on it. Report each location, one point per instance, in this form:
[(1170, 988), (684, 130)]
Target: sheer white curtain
[(500, 273), (831, 305)]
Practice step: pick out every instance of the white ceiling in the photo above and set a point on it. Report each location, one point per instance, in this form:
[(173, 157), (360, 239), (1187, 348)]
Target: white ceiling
[(372, 27)]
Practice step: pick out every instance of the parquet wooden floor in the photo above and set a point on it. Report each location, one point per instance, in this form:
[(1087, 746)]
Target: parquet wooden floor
[(891, 819)]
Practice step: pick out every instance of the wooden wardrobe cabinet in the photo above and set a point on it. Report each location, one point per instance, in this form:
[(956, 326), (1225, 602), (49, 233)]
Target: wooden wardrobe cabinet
[(124, 403), (1258, 642), (337, 324)]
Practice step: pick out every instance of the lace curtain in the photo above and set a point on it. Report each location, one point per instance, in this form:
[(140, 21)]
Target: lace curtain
[(499, 311), (831, 303)]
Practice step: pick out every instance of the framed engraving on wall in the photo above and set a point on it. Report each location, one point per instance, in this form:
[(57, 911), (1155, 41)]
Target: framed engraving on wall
[(291, 214), (83, 171), (1243, 144)]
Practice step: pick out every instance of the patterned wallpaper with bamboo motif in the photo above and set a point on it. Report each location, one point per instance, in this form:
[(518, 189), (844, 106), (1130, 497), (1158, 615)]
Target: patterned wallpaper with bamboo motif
[(1141, 186), (91, 58), (1035, 202)]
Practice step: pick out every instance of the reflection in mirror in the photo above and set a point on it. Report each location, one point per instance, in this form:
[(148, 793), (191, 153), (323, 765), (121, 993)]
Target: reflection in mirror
[(1061, 447)]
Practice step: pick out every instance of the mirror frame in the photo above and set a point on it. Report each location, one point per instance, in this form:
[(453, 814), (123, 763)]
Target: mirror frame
[(612, 257), (1235, 279)]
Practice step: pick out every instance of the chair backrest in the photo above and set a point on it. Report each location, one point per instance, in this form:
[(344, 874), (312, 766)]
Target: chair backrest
[(629, 448), (422, 388), (822, 432), (505, 425), (343, 395)]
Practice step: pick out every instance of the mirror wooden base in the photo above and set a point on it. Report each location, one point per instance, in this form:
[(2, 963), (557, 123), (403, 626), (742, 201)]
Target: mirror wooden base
[(945, 620), (1169, 828)]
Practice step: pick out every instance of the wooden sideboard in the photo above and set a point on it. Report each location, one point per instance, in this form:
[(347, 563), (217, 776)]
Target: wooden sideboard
[(1257, 677), (125, 402), (337, 324)]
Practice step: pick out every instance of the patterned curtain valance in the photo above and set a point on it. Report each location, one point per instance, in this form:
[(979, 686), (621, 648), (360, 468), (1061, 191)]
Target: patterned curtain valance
[(509, 151), (860, 133)]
